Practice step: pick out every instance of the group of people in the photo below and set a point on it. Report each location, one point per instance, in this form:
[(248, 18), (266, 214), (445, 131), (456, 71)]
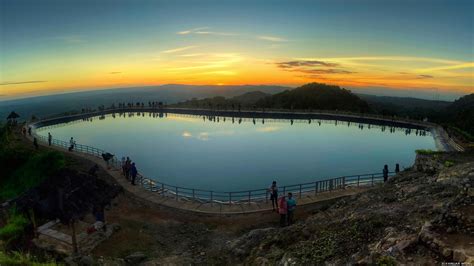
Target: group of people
[(129, 170), (284, 205)]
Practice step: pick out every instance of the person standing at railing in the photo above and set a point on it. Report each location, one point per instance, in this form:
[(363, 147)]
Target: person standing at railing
[(72, 143), (385, 173), (133, 173), (291, 204), (122, 164), (282, 210), (50, 138), (273, 190), (128, 164)]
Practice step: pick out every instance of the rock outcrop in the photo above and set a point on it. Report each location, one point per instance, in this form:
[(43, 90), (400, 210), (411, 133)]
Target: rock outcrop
[(424, 214)]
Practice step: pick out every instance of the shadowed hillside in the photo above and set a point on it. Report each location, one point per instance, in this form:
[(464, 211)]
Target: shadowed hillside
[(316, 96)]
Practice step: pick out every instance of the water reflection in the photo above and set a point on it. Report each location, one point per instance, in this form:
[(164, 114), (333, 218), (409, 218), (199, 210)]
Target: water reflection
[(219, 119), (233, 153)]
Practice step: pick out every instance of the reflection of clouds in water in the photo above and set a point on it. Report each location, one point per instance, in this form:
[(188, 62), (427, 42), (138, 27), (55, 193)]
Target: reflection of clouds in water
[(181, 118), (268, 129), (204, 136)]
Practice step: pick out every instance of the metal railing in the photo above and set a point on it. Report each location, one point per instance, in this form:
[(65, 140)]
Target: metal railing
[(231, 197), (260, 195)]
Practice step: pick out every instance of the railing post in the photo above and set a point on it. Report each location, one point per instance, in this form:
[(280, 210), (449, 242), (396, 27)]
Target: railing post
[(250, 192), (193, 194), (344, 182), (300, 192), (331, 184), (284, 190), (230, 198), (163, 189), (315, 187), (211, 197), (358, 180), (176, 189), (372, 179)]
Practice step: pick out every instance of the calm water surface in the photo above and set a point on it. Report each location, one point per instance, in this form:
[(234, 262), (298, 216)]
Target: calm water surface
[(190, 151)]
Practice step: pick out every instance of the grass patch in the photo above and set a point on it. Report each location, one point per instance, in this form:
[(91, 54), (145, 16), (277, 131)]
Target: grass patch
[(448, 163), (15, 227), (427, 152), (463, 133), (19, 258), (30, 173)]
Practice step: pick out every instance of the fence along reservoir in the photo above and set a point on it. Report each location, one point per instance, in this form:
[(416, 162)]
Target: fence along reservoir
[(234, 154)]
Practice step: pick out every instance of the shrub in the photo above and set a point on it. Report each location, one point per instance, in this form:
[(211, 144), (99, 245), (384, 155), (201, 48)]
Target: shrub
[(427, 152), (29, 174), (448, 163), (14, 228)]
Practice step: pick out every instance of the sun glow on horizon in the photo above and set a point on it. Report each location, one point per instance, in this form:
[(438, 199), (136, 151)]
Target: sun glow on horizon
[(201, 53)]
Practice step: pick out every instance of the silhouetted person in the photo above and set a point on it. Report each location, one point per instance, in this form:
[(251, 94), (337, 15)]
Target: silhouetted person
[(274, 195), (72, 143), (50, 138), (133, 173), (397, 168), (35, 143), (385, 173), (128, 164)]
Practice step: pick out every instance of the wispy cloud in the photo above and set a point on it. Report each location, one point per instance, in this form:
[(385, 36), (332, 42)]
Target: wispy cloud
[(425, 76), (271, 38), (268, 129), (312, 67), (115, 72), (180, 49), (215, 33), (305, 63), (22, 82), (204, 31), (185, 32), (323, 71), (450, 67)]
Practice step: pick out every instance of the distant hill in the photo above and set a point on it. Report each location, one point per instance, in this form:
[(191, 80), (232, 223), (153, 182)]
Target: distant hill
[(316, 96), (171, 93), (405, 106), (460, 114), (250, 98)]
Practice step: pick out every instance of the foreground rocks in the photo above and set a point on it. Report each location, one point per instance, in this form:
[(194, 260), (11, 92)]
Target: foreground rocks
[(421, 215)]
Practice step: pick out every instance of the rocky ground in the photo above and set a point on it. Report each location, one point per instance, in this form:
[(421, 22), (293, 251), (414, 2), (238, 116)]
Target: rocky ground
[(422, 216)]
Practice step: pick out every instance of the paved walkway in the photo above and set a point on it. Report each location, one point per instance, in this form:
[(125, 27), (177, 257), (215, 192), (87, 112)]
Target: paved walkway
[(205, 207)]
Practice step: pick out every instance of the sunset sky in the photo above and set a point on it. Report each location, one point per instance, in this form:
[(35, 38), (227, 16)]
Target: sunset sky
[(58, 46)]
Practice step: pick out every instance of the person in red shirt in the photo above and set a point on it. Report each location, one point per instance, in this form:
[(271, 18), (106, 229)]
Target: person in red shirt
[(282, 210)]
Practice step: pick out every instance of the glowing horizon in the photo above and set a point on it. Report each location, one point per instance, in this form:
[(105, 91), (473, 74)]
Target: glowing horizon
[(49, 48)]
